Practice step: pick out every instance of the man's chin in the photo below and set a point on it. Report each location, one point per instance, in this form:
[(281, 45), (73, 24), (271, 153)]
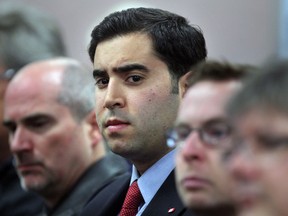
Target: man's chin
[(204, 201), (197, 201), (208, 208), (257, 210), (33, 183)]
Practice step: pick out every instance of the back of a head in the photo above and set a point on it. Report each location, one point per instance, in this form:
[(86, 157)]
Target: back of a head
[(26, 35), (264, 90), (212, 70), (176, 42)]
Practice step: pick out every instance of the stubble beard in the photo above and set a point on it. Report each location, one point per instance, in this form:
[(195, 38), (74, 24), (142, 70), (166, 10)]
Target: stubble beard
[(41, 185)]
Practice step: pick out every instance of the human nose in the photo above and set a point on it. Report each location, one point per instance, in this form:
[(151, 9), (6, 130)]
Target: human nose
[(193, 148), (242, 165), (114, 95), (19, 140)]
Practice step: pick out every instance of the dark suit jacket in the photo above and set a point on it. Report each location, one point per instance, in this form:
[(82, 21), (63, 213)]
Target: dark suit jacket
[(103, 172), (14, 201), (109, 201)]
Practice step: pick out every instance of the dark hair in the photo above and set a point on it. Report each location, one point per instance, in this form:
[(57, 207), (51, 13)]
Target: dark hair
[(218, 71), (77, 90), (26, 35), (175, 42), (265, 90)]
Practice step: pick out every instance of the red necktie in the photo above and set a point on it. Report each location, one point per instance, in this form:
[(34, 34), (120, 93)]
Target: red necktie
[(132, 201)]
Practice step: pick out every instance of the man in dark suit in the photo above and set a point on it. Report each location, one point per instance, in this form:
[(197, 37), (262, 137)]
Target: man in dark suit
[(23, 39), (141, 58), (58, 151)]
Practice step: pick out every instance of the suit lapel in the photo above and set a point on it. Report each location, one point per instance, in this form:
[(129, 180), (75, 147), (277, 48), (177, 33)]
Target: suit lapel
[(166, 201), (109, 200)]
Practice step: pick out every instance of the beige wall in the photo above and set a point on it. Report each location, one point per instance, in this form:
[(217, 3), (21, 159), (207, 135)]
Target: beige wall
[(243, 31)]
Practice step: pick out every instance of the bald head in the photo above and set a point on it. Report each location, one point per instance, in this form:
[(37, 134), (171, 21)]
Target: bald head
[(54, 137), (62, 79)]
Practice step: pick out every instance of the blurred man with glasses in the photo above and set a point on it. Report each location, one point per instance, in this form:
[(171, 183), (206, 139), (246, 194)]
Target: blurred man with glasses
[(200, 132)]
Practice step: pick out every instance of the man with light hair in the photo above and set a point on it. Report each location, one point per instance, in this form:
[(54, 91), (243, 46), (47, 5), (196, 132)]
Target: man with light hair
[(27, 34), (57, 148)]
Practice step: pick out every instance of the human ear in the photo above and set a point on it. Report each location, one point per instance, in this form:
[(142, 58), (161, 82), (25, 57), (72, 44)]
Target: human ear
[(94, 133), (183, 84)]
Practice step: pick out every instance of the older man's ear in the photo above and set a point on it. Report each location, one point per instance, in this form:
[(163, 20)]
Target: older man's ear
[(93, 130)]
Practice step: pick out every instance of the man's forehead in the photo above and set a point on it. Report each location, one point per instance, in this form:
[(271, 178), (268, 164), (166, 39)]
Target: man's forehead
[(31, 109), (260, 117), (203, 103), (210, 95), (124, 49), (38, 84)]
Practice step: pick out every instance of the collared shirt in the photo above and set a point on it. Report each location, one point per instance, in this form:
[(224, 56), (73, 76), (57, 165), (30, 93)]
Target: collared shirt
[(151, 180)]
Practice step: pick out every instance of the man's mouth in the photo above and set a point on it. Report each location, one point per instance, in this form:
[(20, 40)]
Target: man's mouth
[(116, 125)]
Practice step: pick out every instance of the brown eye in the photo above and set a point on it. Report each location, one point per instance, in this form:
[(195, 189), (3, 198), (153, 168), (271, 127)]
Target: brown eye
[(217, 132), (39, 123), (134, 78), (102, 82)]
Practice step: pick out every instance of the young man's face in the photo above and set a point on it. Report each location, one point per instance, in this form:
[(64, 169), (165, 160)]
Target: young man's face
[(259, 163), (201, 178), (134, 100)]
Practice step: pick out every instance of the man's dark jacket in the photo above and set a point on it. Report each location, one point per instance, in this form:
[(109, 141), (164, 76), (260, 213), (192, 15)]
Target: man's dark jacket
[(14, 201), (110, 199), (101, 173)]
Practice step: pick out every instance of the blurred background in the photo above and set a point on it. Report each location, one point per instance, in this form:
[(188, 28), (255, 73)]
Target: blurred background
[(246, 31)]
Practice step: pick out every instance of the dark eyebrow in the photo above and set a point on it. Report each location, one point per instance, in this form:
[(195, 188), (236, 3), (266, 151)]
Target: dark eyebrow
[(216, 120), (99, 73), (33, 117), (121, 69), (209, 122), (181, 125), (130, 67), (8, 123)]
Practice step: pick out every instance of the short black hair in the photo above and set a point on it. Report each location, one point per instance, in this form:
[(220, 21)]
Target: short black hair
[(175, 42)]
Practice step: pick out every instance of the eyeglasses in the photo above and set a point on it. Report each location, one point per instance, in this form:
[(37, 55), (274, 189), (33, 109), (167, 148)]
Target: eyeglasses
[(212, 133), (8, 74)]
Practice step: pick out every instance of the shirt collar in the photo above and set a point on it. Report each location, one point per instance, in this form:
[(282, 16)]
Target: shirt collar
[(153, 178)]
